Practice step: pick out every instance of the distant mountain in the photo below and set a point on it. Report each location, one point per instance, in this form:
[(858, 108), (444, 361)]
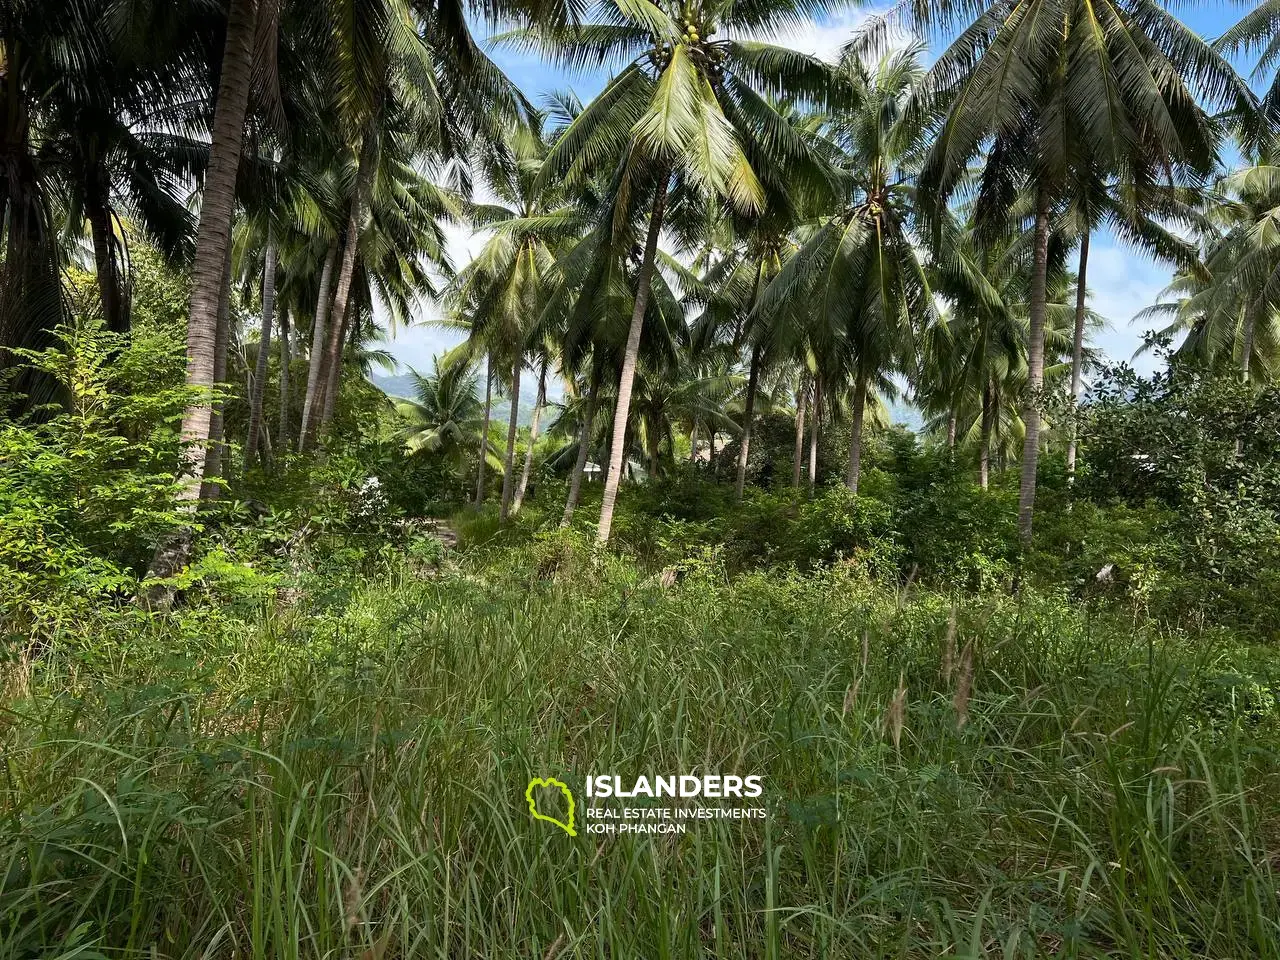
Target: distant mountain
[(401, 385)]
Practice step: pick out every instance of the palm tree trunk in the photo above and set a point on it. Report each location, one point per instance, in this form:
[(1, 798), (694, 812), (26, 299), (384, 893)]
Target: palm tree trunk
[(584, 446), (1035, 370), (533, 440), (1251, 314), (1077, 347), (693, 443), (484, 430), (951, 432), (629, 358), (332, 377), (984, 441), (315, 361), (217, 446), (813, 433), (797, 456), (351, 245), (213, 239), (286, 358), (855, 438), (98, 211), (513, 428), (748, 413), (264, 348)]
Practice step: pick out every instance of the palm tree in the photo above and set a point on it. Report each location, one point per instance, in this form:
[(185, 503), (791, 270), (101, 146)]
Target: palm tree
[(210, 274), (503, 293), (858, 273), (687, 113), (443, 417), (1115, 88)]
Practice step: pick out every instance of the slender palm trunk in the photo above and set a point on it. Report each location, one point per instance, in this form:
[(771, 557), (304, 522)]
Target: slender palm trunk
[(264, 349), (315, 360), (798, 455), (484, 430), (533, 440), (693, 443), (331, 379), (1035, 371), (1077, 347), (813, 433), (513, 428), (342, 293), (951, 432), (110, 289), (213, 466), (627, 378), (213, 239), (584, 447), (1247, 334), (984, 440), (855, 438), (748, 414), (286, 359)]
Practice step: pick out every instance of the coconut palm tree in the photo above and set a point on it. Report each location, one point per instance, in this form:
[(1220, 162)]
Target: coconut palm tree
[(1116, 88), (502, 295), (687, 112), (858, 273), (443, 416)]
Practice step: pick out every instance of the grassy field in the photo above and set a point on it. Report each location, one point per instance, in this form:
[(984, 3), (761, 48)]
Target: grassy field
[(341, 773)]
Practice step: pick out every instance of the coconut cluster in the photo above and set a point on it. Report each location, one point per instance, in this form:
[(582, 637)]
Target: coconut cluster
[(695, 37)]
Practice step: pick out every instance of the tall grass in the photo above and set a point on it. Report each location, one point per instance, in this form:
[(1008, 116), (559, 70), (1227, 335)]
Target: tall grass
[(348, 780)]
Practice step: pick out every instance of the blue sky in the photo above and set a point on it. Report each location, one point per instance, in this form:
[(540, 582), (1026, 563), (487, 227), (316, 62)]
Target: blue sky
[(1121, 281)]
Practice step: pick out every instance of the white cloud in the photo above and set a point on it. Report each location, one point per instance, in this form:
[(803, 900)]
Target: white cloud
[(1121, 283)]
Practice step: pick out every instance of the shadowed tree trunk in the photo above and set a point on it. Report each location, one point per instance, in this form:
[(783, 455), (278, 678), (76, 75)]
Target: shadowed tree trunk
[(1035, 371), (951, 432), (346, 273), (584, 447), (984, 438), (813, 433), (513, 428), (105, 247), (331, 375), (264, 349), (286, 358), (798, 456), (626, 380), (484, 430), (693, 443), (855, 437), (744, 451), (213, 240), (315, 360), (217, 440), (533, 440), (1077, 347)]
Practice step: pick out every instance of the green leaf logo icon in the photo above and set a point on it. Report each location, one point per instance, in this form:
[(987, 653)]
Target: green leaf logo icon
[(533, 804)]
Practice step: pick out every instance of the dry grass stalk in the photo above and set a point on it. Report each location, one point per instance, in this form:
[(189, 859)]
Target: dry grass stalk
[(964, 686), (352, 898), (851, 697), (896, 717), (949, 649)]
